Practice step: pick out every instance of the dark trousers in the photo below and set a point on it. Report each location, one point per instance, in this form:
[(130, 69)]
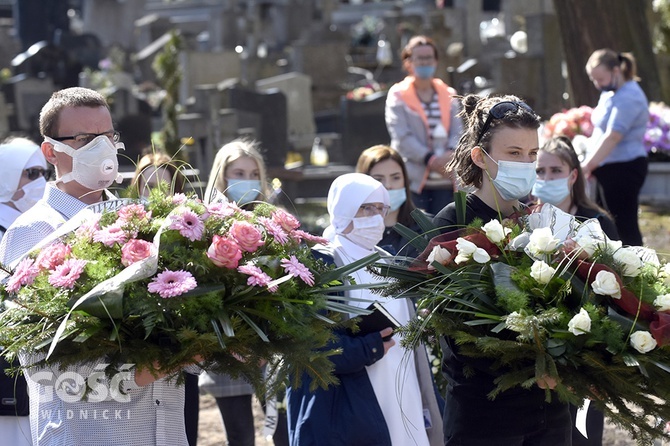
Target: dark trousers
[(619, 186), (595, 423), (238, 419), (191, 408)]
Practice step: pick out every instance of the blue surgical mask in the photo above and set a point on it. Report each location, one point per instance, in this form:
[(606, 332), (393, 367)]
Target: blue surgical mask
[(243, 191), (397, 198), (552, 191), (424, 71), (611, 87), (514, 180)]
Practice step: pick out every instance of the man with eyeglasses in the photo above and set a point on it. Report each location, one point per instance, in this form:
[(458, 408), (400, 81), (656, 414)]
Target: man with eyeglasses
[(81, 143)]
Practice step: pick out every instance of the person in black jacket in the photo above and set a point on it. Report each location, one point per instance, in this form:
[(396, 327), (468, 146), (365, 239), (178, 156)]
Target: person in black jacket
[(495, 158)]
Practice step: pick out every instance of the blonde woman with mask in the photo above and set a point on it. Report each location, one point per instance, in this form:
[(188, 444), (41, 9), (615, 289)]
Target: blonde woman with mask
[(239, 173)]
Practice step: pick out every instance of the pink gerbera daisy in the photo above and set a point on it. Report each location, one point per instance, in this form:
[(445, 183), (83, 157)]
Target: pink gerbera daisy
[(274, 229), (172, 283), (24, 274), (188, 224), (66, 274), (293, 266), (256, 275)]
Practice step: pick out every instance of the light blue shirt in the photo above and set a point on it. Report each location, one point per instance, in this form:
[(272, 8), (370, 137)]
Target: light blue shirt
[(625, 111)]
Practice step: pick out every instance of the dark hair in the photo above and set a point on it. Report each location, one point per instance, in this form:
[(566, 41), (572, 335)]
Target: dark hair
[(68, 97), (474, 112), (561, 147), (415, 41), (157, 160), (375, 155), (611, 59)]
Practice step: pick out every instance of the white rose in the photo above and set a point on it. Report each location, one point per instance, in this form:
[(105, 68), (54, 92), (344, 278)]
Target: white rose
[(588, 244), (642, 341), (541, 272), (580, 323), (662, 302), (629, 260), (481, 256), (607, 285), (495, 231), (440, 255), (613, 245), (542, 241), (468, 250)]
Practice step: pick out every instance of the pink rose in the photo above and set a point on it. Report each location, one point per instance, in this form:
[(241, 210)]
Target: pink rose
[(135, 250), (52, 256), (247, 236), (286, 220), (224, 252)]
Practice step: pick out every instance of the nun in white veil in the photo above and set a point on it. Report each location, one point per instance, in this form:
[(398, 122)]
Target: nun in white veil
[(357, 204), (22, 169)]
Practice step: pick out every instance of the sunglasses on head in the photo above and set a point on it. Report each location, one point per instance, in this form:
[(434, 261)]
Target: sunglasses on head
[(499, 111), (35, 172)]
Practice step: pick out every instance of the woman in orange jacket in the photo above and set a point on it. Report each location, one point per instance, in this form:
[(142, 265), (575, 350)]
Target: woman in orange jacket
[(422, 119)]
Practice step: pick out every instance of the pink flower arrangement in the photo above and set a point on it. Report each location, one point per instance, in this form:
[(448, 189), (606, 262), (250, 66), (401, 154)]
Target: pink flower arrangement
[(168, 279), (569, 123)]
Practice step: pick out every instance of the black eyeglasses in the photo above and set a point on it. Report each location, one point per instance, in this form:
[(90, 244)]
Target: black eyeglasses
[(499, 111), (85, 138), (34, 173)]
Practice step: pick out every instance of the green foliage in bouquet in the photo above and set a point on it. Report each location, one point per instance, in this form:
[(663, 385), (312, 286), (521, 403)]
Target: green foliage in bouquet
[(543, 295), (159, 283)]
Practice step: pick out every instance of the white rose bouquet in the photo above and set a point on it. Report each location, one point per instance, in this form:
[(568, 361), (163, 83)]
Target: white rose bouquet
[(543, 294)]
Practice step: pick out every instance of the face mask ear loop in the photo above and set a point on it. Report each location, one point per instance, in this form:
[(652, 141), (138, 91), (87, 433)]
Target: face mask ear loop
[(495, 193)]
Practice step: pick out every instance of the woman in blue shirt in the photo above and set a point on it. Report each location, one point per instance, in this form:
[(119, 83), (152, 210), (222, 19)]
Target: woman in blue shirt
[(617, 157)]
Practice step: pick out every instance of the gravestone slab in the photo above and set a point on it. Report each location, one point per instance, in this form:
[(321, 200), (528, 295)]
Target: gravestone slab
[(297, 88), (271, 106), (363, 125)]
